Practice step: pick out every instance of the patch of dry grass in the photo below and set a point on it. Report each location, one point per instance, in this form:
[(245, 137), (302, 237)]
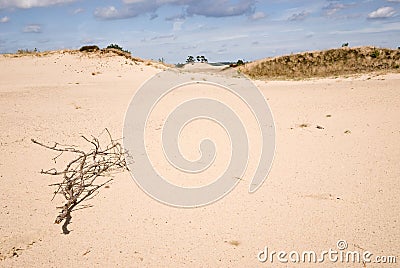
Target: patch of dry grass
[(233, 243), (304, 125), (26, 52)]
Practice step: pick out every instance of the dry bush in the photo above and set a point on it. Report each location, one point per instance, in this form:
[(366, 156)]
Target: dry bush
[(27, 51), (119, 52), (89, 49), (127, 55), (80, 178)]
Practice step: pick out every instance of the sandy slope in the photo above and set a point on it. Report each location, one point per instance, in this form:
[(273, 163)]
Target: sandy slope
[(325, 185)]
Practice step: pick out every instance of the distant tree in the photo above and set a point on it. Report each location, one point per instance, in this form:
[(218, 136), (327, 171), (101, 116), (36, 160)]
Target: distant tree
[(240, 62), (190, 59), (203, 59), (345, 45)]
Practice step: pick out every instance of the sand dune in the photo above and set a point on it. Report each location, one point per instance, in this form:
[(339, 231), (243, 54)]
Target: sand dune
[(335, 175)]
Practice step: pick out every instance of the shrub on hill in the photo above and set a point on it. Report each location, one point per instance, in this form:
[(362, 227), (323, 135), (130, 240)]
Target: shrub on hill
[(115, 46), (89, 48), (27, 51)]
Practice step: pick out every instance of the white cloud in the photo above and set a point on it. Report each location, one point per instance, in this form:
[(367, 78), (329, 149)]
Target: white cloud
[(4, 19), (176, 17), (333, 8), (112, 13), (220, 8), (31, 3), (387, 27), (132, 1), (229, 38), (32, 28), (78, 10), (258, 15), (299, 16), (207, 8), (167, 36), (310, 35), (109, 12), (177, 26), (90, 40), (382, 13)]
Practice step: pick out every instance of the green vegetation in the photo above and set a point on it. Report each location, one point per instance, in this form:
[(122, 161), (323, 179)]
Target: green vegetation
[(375, 53), (236, 64), (191, 59), (115, 46), (240, 62), (201, 59)]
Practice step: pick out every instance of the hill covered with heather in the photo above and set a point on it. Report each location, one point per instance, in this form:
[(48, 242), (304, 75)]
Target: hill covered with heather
[(326, 63)]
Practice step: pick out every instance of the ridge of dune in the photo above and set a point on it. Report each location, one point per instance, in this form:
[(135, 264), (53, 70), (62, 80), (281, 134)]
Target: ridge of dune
[(100, 53)]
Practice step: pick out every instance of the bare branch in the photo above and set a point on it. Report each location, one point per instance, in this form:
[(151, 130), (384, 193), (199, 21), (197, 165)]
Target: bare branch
[(80, 174)]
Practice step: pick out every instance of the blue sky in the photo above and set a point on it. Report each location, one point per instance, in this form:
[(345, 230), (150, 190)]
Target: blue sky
[(222, 30)]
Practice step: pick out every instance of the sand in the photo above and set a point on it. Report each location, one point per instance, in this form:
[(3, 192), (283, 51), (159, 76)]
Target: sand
[(336, 182)]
